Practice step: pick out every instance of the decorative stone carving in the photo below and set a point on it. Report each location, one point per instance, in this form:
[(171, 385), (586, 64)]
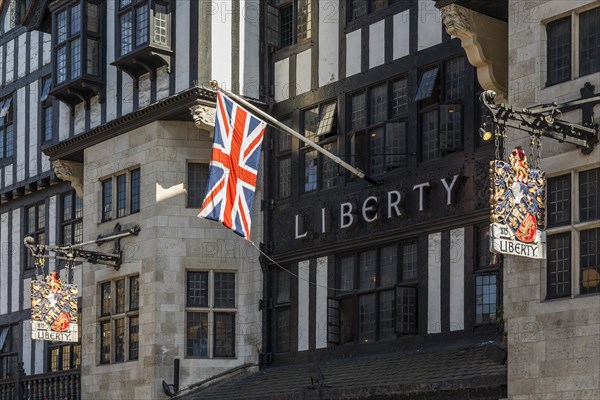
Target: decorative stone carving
[(204, 117), (70, 171), (485, 40)]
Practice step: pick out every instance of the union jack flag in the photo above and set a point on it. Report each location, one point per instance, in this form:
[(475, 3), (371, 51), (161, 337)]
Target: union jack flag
[(233, 166)]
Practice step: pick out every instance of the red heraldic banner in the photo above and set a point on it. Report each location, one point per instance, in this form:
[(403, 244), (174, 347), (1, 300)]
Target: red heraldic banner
[(233, 166), (518, 207), (54, 310)]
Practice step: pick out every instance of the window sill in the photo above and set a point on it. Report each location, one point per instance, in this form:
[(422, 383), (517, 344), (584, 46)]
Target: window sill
[(143, 60)]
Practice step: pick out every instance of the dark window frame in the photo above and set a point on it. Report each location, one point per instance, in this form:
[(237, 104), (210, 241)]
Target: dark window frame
[(110, 199), (282, 306), (559, 200), (555, 31), (198, 175), (38, 232), (131, 8), (7, 132), (555, 286), (589, 55), (9, 351), (283, 150), (71, 219), (589, 261), (294, 34), (46, 110), (366, 7)]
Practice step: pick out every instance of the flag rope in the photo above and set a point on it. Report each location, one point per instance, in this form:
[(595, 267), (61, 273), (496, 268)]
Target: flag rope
[(296, 275)]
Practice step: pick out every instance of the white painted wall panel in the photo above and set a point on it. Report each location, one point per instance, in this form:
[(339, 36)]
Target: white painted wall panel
[(64, 115), (457, 279), (34, 51), (45, 163), (22, 57), (144, 89), (39, 356), (79, 126), (33, 127), (303, 304), (20, 107), (162, 83), (95, 112), (16, 261), (377, 44), (401, 45), (1, 65), (47, 44), (8, 175), (26, 340), (10, 61), (429, 25), (434, 287), (26, 296), (221, 42), (250, 48), (182, 54), (353, 52), (126, 94), (4, 273), (321, 304), (111, 71), (328, 41), (303, 72), (282, 80)]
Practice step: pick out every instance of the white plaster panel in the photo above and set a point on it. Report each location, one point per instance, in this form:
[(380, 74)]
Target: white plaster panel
[(16, 261), (303, 304), (321, 304), (4, 273), (377, 44), (353, 52), (22, 63), (182, 54), (10, 53), (126, 94), (26, 296), (457, 279), (33, 126), (162, 83), (222, 18), (328, 41), (282, 79), (303, 72), (95, 112), (144, 89), (64, 114), (26, 341), (45, 163), (250, 48), (1, 65), (79, 118), (429, 24), (111, 71), (8, 175), (401, 45), (38, 345), (46, 53), (20, 107), (34, 48), (434, 306)]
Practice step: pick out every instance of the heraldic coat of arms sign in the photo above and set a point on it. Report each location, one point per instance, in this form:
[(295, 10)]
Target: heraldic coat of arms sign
[(54, 309), (518, 207)]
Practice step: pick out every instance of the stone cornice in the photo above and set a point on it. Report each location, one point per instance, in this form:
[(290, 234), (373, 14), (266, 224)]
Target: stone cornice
[(485, 41), (163, 109)]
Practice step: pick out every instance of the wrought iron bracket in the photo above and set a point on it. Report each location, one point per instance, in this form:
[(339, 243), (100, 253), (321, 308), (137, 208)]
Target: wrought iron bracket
[(543, 119), (75, 252)]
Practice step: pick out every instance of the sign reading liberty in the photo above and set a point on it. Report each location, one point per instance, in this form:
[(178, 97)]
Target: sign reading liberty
[(54, 309), (518, 207)]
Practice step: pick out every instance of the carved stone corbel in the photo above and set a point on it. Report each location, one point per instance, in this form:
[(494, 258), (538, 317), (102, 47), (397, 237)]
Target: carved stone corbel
[(70, 171), (485, 40), (204, 118)]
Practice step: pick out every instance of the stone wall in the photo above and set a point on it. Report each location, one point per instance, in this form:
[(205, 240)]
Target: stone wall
[(172, 239)]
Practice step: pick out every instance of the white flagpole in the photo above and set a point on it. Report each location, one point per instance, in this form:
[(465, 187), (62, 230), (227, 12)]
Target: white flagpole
[(273, 122)]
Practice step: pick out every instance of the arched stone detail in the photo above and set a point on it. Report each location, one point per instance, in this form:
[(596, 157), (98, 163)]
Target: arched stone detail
[(70, 171), (485, 40)]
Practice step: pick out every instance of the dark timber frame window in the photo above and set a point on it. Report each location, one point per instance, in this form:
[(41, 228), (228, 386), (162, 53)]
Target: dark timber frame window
[(378, 296), (6, 128), (487, 278), (71, 219), (197, 179), (210, 302), (581, 32), (284, 160), (283, 284), (46, 107), (119, 320), (358, 8), (10, 343), (35, 226), (573, 234), (294, 21), (319, 124), (441, 93), (378, 126), (116, 190)]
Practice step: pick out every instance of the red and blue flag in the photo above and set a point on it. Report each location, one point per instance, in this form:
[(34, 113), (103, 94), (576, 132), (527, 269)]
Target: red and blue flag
[(233, 166)]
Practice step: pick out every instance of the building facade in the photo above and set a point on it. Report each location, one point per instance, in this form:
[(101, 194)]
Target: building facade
[(112, 93)]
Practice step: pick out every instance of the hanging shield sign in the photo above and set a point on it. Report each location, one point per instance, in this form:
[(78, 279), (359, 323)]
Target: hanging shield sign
[(518, 207), (54, 310)]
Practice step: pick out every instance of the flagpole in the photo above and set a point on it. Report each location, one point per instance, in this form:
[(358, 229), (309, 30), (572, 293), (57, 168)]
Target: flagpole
[(273, 122)]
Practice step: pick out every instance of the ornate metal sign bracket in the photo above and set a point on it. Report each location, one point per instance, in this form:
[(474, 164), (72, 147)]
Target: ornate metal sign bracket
[(542, 120), (75, 252)]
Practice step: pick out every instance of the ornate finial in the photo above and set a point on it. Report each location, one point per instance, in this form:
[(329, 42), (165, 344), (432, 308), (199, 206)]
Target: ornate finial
[(214, 84)]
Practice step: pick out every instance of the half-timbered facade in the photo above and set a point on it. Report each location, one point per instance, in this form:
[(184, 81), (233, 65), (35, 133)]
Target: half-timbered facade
[(106, 125)]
